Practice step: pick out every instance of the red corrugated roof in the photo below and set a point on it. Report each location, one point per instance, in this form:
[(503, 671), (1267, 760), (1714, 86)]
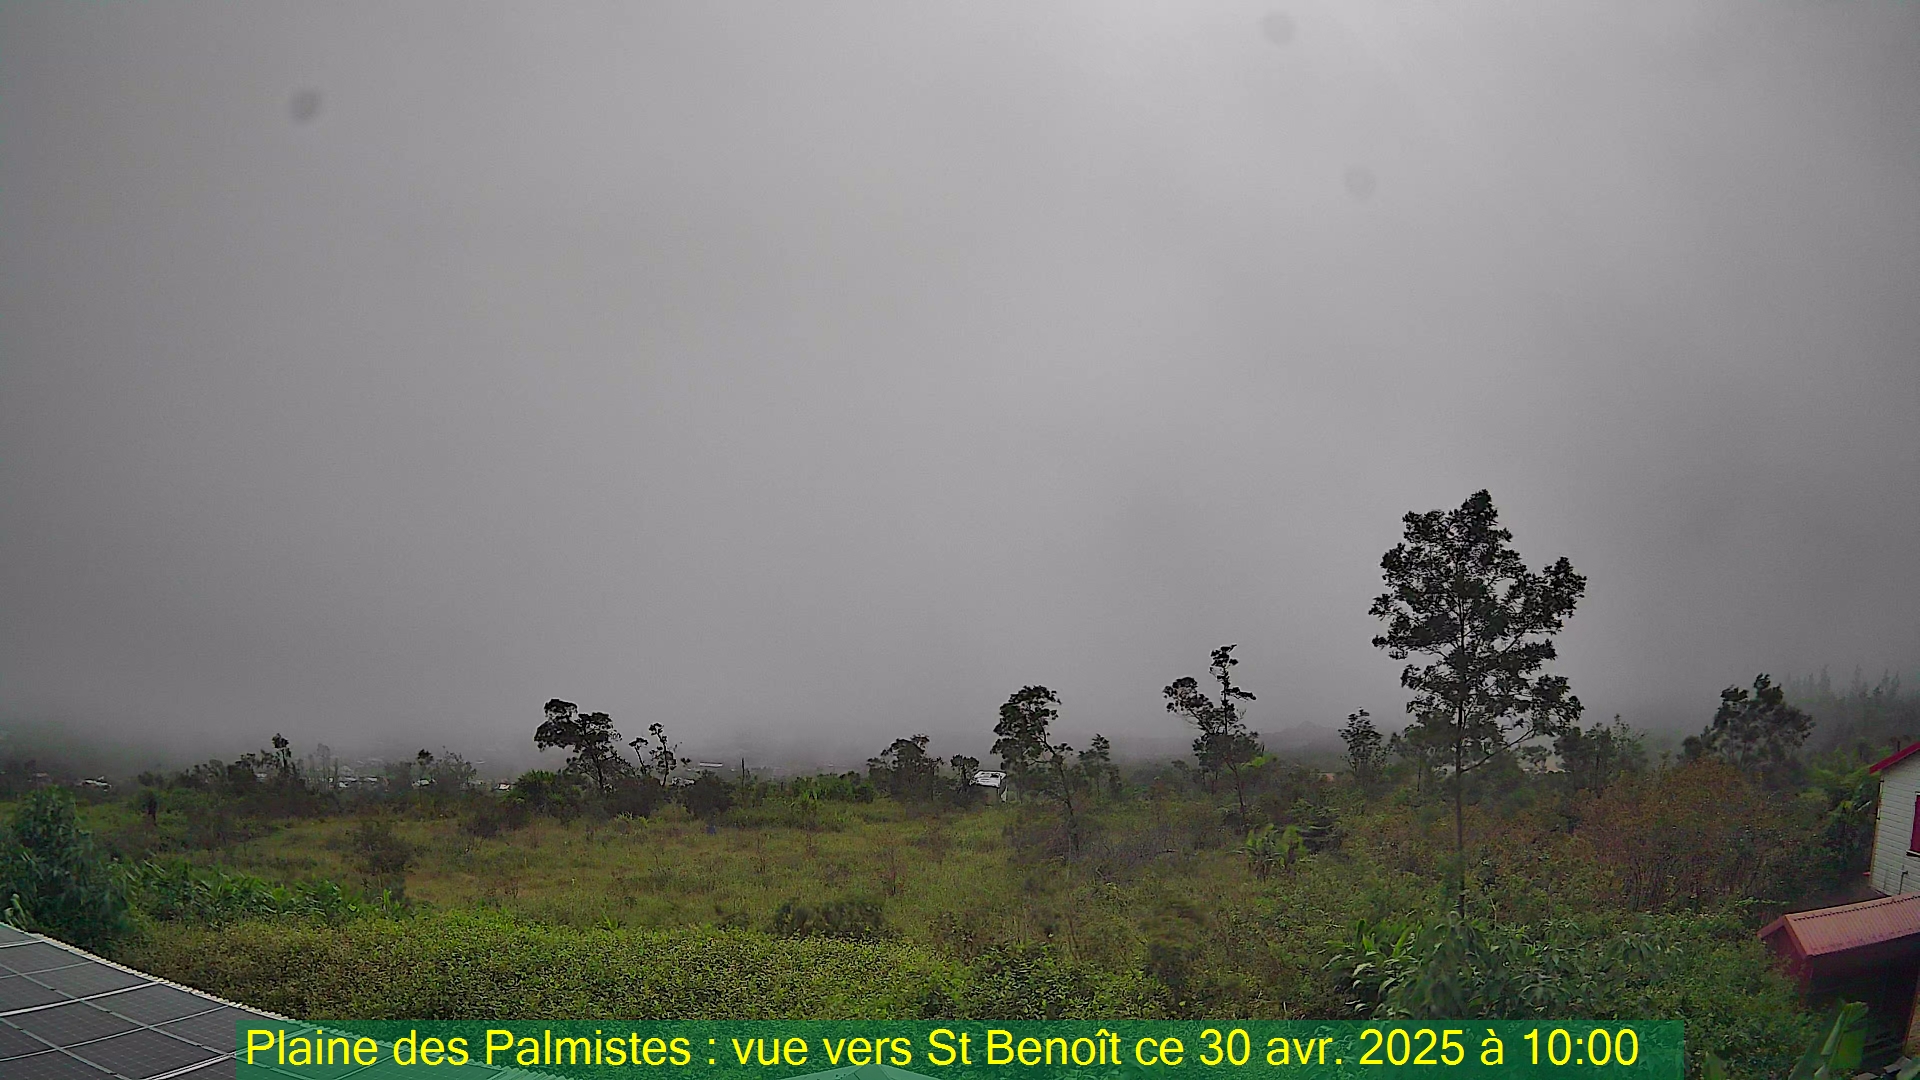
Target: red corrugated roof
[(1894, 758), (1850, 926)]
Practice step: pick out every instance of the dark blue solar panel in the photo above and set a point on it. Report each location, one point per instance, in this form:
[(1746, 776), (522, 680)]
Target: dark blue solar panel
[(19, 992), (36, 956), (69, 1015), (139, 1055)]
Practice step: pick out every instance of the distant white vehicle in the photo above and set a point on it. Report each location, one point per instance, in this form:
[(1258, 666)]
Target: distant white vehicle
[(504, 785), (99, 784), (992, 778)]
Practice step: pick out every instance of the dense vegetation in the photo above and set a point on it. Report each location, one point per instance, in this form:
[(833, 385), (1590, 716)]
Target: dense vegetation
[(1493, 858)]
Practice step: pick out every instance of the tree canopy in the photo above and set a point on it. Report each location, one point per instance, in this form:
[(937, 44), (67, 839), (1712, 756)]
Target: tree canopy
[(591, 737), (1224, 746), (1757, 731), (1462, 599)]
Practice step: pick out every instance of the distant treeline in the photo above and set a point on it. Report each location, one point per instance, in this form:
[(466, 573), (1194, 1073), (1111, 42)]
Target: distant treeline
[(1865, 719)]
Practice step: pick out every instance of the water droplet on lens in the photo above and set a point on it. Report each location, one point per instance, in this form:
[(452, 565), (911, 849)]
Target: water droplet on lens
[(1278, 27), (304, 105)]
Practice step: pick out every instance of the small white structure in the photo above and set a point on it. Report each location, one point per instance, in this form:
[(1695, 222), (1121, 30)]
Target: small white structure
[(992, 778), (1896, 832)]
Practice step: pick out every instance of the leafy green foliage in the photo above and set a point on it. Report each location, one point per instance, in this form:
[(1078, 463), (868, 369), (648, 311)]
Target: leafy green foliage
[(1366, 749), (177, 891), (1459, 596), (53, 880), (381, 855), (1098, 774), (707, 797), (659, 755), (1268, 849), (905, 771), (1458, 966), (448, 774), (1601, 755), (847, 917), (1701, 835), (1037, 765), (638, 796), (846, 787), (1037, 982), (1457, 593), (1224, 746), (1846, 800), (592, 738), (1864, 720), (542, 791), (1834, 1055), (476, 965), (490, 817), (1756, 731)]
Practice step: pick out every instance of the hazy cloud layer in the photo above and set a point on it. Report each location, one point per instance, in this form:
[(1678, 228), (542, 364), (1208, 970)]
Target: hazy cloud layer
[(824, 371)]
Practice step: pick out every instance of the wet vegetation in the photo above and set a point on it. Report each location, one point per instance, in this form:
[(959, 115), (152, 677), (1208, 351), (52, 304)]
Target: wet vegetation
[(1496, 857)]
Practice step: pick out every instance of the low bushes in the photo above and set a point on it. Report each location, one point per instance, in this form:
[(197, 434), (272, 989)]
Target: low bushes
[(849, 917), (476, 965), (54, 880), (1708, 969), (181, 892)]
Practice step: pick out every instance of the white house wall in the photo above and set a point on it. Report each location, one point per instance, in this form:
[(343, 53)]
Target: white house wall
[(1895, 871)]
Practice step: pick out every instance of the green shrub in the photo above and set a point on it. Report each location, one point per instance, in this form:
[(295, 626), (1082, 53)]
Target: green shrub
[(381, 855), (849, 917), (1705, 969), (180, 891), (707, 797), (53, 879), (491, 817), (542, 791), (636, 796), (1034, 982), (846, 787)]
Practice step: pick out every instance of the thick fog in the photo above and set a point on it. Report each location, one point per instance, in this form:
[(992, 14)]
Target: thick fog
[(809, 374)]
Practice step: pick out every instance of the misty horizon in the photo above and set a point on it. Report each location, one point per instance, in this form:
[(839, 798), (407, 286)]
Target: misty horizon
[(818, 376)]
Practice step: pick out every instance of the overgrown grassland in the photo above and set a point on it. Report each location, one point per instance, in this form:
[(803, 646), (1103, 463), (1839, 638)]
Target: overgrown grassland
[(1156, 893), (1639, 901), (480, 964), (1159, 914)]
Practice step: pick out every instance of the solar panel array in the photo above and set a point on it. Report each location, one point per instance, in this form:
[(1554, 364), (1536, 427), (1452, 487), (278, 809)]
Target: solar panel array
[(66, 1014)]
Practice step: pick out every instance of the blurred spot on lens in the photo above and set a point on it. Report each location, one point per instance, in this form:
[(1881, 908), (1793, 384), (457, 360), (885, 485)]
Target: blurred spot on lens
[(304, 105), (1278, 27), (1360, 182)]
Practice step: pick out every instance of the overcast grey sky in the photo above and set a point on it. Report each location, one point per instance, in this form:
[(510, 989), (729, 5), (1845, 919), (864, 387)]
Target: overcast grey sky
[(830, 370)]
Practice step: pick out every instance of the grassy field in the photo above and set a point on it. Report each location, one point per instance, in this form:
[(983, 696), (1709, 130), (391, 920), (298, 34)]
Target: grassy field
[(1157, 889), (955, 913)]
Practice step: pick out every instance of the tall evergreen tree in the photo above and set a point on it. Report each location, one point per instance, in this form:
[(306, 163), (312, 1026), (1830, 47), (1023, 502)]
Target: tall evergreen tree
[(1461, 598)]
